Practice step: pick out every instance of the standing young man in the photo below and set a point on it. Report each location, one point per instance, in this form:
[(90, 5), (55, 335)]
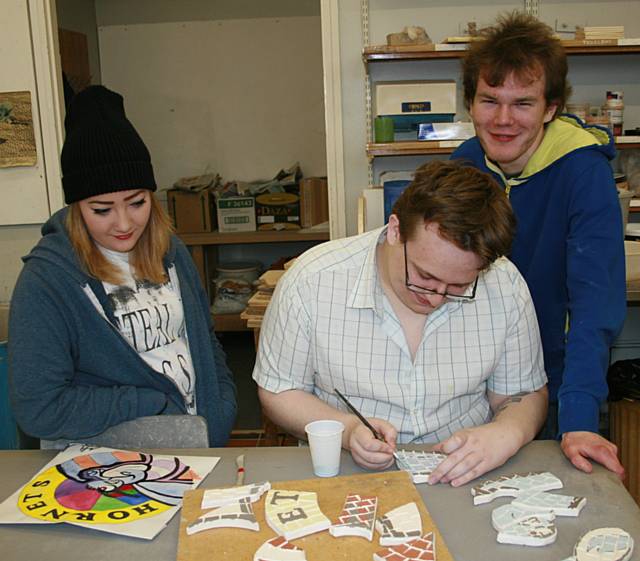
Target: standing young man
[(426, 329), (569, 239)]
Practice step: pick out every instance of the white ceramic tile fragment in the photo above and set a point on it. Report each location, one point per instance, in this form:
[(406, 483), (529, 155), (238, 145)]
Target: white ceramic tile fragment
[(214, 498), (294, 514), (533, 530), (513, 485), (357, 517), (560, 505), (418, 463), (400, 525), (423, 549), (237, 515), (279, 549), (604, 544), (510, 514)]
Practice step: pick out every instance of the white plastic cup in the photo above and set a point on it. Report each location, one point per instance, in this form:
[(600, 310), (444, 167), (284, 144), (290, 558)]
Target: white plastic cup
[(325, 442)]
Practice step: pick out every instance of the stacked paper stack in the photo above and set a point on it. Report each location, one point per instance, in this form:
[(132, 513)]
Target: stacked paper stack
[(600, 32)]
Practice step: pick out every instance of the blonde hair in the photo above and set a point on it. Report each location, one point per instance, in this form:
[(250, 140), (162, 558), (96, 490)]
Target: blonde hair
[(145, 258)]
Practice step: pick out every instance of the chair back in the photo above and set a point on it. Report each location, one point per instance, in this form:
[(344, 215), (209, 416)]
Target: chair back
[(159, 431)]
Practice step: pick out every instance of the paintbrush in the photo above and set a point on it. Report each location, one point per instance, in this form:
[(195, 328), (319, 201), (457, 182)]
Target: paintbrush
[(357, 413), (240, 471)]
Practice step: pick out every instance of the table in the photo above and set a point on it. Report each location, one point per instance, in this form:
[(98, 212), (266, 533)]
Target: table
[(466, 529)]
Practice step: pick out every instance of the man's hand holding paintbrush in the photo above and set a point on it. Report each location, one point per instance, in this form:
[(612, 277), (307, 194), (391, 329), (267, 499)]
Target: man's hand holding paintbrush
[(372, 441)]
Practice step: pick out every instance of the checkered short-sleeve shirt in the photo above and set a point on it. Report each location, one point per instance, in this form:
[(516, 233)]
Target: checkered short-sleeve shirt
[(329, 325)]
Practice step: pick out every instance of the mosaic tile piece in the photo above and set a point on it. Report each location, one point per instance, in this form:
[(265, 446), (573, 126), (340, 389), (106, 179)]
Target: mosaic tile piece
[(604, 544), (237, 515), (513, 485), (423, 549), (507, 515), (418, 463), (560, 505), (400, 525), (279, 549), (294, 514), (533, 530), (357, 518), (215, 498)]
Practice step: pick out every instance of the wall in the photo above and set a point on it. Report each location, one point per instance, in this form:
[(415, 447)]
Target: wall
[(591, 76), (121, 12), (219, 86), (16, 241), (243, 98), (24, 189)]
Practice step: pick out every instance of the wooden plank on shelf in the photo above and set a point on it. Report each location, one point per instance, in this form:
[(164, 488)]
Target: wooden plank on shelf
[(271, 277), (268, 236), (259, 301), (426, 147), (411, 147), (383, 53), (400, 48)]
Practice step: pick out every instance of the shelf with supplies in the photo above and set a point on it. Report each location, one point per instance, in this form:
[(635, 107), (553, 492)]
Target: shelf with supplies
[(373, 57), (429, 147), (385, 53), (203, 248)]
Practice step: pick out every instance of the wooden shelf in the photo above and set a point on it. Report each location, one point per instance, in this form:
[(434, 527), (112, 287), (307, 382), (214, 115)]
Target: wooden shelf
[(384, 53), (427, 147), (627, 145), (270, 236), (407, 148), (229, 322)]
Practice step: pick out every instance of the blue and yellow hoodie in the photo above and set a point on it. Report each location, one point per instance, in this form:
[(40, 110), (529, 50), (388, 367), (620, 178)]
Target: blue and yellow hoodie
[(569, 248), (73, 375)]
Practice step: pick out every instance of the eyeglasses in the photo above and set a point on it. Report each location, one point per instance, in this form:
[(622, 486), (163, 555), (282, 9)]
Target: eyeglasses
[(423, 290)]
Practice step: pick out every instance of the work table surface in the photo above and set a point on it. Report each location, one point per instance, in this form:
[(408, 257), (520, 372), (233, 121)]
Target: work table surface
[(466, 529)]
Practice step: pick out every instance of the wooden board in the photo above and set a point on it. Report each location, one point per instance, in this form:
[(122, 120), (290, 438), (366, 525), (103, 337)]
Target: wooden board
[(259, 300), (271, 277), (393, 489)]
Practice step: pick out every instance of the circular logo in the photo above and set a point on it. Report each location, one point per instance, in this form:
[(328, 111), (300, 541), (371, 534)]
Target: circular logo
[(106, 488)]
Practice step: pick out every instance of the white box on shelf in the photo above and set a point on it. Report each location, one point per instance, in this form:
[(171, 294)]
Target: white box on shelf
[(236, 214), (415, 97)]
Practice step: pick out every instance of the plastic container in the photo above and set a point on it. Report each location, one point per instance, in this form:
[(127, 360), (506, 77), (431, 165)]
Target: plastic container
[(632, 260), (579, 110), (248, 271), (234, 286), (614, 110), (624, 197)]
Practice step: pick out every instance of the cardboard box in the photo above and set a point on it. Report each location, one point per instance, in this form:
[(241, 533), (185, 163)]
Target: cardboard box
[(236, 214), (278, 211), (192, 211), (314, 201)]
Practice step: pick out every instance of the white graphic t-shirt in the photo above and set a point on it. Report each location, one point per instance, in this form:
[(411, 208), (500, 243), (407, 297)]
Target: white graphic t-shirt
[(151, 318)]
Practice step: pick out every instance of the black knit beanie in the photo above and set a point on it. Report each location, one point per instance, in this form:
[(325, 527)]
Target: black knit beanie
[(102, 152)]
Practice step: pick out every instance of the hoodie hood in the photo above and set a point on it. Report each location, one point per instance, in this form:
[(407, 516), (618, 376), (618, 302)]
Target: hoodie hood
[(55, 249), (562, 136)]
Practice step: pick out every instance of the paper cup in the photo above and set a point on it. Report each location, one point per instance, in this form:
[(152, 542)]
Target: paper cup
[(325, 442)]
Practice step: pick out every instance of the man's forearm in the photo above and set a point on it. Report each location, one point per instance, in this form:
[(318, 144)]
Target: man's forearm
[(524, 413), (293, 409)]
